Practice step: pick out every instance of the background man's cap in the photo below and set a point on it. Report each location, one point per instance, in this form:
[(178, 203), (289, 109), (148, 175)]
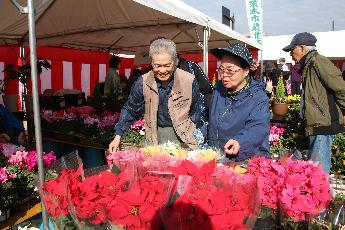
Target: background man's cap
[(235, 49), (305, 38)]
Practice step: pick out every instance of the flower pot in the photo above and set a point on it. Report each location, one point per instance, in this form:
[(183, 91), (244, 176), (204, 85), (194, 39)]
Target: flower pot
[(92, 157), (279, 110), (4, 215)]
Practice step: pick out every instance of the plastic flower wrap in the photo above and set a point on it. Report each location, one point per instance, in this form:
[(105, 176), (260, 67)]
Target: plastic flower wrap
[(215, 198), (54, 192), (168, 149), (121, 158), (126, 197), (301, 189), (204, 155), (159, 164)]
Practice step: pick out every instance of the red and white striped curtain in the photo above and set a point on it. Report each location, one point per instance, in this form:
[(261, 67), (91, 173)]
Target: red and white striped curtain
[(70, 69)]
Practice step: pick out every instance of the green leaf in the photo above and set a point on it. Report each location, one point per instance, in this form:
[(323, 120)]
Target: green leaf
[(173, 199), (116, 170)]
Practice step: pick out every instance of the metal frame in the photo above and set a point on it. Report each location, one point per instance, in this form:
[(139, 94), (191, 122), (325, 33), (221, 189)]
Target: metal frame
[(30, 10)]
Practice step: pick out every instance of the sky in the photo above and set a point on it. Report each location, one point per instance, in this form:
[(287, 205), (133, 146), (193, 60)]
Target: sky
[(281, 17)]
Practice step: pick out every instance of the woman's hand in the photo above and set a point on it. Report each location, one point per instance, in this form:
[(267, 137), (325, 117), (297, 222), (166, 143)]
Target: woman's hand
[(113, 146), (232, 147), (269, 86)]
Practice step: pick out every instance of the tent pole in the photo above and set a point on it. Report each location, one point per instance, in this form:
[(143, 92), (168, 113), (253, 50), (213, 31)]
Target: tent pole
[(36, 105), (205, 49)]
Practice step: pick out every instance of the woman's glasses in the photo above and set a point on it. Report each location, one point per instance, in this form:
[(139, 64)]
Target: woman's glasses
[(229, 71)]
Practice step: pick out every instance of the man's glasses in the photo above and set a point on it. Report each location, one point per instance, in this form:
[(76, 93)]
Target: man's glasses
[(229, 71)]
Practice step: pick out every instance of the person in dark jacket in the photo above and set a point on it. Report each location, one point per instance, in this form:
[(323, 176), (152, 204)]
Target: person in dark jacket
[(205, 86), (296, 79), (323, 97), (112, 79), (239, 111), (10, 126)]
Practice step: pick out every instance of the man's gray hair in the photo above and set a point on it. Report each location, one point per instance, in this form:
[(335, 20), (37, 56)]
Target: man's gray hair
[(310, 48), (161, 46)]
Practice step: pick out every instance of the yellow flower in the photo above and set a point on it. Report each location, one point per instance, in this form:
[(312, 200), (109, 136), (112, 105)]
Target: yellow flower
[(207, 155), (343, 162)]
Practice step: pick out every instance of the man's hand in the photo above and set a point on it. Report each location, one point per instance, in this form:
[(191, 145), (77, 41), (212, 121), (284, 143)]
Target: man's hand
[(232, 147), (113, 146)]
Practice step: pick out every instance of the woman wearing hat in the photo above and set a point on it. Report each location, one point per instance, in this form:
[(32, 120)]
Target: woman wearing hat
[(239, 112)]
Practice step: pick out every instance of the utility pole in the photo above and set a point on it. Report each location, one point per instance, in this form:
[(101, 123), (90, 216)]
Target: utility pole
[(332, 25), (226, 19)]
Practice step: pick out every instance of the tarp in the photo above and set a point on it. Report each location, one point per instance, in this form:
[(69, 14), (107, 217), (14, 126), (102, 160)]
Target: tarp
[(329, 44), (115, 25)]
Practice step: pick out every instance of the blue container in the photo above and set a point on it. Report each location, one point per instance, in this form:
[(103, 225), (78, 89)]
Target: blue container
[(92, 157), (51, 146), (67, 148)]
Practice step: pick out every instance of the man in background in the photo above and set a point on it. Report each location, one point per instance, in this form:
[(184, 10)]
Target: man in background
[(323, 97)]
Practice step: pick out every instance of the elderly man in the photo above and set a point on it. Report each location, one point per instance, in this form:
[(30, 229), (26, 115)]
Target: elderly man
[(168, 97), (323, 98)]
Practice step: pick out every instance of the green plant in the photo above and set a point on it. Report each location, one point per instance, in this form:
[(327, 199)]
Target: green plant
[(338, 156), (8, 194), (280, 94), (22, 73), (133, 137), (24, 182)]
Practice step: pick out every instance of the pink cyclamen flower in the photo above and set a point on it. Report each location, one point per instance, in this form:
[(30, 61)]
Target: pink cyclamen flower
[(5, 175), (9, 149)]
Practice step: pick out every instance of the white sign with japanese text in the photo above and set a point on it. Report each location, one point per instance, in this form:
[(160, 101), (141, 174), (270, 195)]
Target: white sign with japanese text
[(255, 20)]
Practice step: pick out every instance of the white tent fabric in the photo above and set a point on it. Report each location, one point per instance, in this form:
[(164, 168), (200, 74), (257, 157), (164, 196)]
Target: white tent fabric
[(115, 25), (329, 44), (125, 26)]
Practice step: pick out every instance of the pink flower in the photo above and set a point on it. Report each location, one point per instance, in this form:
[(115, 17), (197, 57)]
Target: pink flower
[(300, 187), (29, 159), (124, 156), (139, 125), (5, 175), (9, 149)]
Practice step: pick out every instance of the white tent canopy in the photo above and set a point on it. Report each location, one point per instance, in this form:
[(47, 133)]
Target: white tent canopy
[(115, 25), (329, 44)]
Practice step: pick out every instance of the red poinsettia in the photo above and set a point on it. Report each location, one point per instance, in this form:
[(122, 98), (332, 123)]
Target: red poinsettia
[(93, 195), (54, 193), (138, 207)]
